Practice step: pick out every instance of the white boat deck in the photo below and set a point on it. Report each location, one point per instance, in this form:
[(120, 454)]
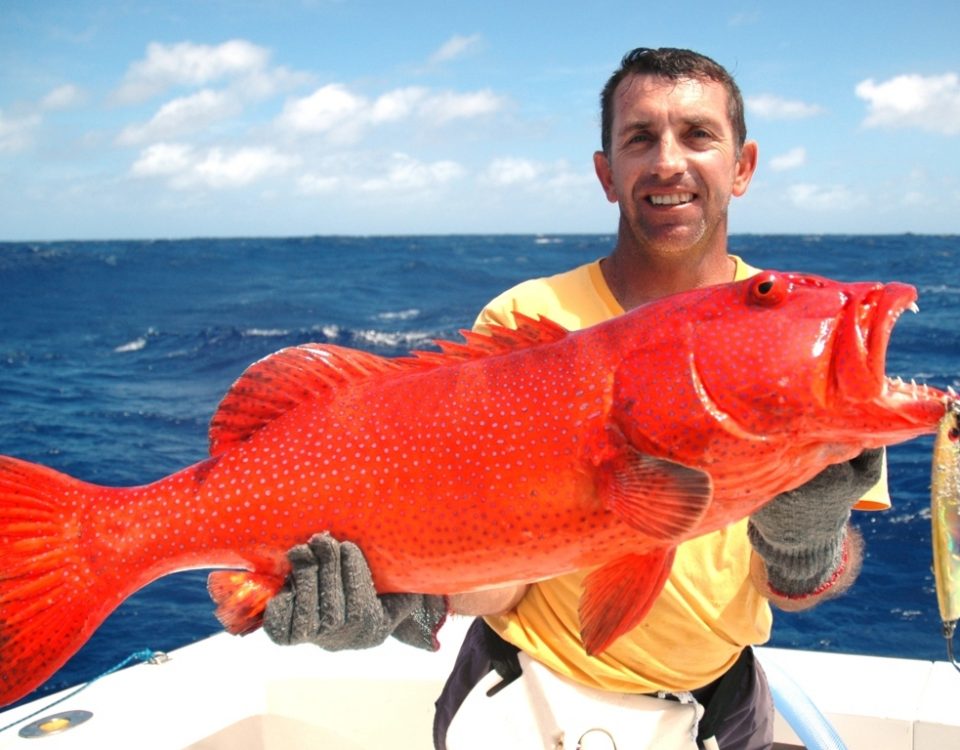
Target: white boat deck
[(248, 694)]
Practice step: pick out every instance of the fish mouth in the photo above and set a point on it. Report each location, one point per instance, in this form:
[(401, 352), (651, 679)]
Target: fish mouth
[(859, 360)]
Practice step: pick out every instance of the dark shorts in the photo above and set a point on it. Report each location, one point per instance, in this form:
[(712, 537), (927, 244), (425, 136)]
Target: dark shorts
[(739, 706)]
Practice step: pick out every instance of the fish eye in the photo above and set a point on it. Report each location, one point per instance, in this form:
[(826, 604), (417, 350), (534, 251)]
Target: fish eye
[(768, 289)]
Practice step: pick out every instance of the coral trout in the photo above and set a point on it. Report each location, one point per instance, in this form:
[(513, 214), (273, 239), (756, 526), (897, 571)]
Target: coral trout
[(514, 456)]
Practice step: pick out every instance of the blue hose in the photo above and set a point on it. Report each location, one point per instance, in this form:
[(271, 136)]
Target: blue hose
[(791, 702)]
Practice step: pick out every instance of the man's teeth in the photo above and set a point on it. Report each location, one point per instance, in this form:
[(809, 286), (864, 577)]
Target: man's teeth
[(674, 199)]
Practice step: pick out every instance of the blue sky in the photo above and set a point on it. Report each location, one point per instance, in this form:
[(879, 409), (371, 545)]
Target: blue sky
[(282, 117)]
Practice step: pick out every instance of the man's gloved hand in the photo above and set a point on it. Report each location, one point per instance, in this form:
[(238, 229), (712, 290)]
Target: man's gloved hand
[(329, 600), (801, 534)]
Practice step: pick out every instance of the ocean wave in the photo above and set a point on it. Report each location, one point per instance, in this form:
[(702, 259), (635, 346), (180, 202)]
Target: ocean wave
[(266, 332), (938, 289), (399, 314), (330, 331), (131, 346), (136, 344), (392, 339)]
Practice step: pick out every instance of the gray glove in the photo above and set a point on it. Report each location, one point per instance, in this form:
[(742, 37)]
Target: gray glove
[(329, 600), (801, 534)]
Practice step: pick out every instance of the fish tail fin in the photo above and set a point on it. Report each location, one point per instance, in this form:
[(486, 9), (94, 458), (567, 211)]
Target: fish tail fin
[(48, 606)]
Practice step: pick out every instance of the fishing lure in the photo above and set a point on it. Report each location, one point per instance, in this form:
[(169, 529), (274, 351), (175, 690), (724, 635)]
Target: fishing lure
[(945, 521)]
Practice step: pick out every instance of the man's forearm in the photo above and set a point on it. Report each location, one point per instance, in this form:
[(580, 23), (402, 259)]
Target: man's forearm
[(488, 602)]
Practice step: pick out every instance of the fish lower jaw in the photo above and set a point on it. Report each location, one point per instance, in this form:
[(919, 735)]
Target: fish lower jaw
[(915, 403), (897, 390)]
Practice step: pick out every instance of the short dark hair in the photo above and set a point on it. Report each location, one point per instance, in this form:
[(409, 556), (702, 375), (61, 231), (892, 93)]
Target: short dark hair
[(673, 64)]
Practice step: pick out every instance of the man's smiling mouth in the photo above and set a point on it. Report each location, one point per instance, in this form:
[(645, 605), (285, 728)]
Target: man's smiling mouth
[(673, 199)]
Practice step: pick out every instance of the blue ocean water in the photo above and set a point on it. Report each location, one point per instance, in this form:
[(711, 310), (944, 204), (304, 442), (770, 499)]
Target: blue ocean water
[(114, 355)]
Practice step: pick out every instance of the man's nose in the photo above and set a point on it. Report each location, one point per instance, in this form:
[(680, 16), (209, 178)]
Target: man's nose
[(669, 157)]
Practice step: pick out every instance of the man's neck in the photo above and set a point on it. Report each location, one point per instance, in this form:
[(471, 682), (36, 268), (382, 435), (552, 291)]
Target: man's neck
[(636, 278)]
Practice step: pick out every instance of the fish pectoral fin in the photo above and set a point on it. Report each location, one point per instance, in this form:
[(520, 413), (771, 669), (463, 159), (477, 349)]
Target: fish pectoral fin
[(618, 596), (659, 498), (241, 598)]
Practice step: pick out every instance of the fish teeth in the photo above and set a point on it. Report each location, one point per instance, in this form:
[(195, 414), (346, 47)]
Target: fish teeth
[(913, 307)]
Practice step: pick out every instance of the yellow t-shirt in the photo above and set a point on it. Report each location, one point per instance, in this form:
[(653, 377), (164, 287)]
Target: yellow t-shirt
[(708, 610)]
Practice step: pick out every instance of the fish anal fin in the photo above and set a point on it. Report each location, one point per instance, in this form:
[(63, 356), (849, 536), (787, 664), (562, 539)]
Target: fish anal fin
[(617, 596), (241, 598), (661, 499)]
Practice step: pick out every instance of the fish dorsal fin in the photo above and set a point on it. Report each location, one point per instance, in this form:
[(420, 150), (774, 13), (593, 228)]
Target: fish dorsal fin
[(496, 339), (270, 388), (282, 381)]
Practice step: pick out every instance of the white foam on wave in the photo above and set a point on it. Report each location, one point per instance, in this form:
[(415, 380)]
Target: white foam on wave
[(392, 338), (131, 346), (266, 332), (330, 331), (399, 314)]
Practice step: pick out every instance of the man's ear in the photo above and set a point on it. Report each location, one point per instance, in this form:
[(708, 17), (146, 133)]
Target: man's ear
[(601, 165), (746, 166)]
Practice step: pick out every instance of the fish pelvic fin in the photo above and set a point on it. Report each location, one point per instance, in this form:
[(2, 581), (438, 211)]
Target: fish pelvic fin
[(241, 598), (617, 596), (281, 382), (659, 498), (49, 603)]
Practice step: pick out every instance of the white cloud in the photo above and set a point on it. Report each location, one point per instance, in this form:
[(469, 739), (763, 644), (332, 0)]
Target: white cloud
[(326, 109), (398, 104), (747, 18), (63, 97), (180, 116), (188, 64), (335, 110), (795, 157), (770, 107), (913, 198), (926, 102), (312, 184), (558, 177), (162, 159), (407, 173), (220, 169), (456, 46), (187, 167), (449, 105), (16, 132), (819, 198), (511, 171)]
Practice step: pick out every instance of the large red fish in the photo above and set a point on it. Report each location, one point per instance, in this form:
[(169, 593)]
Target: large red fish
[(512, 457)]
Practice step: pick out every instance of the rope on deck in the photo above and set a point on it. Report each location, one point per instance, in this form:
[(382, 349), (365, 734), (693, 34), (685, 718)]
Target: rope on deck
[(143, 655)]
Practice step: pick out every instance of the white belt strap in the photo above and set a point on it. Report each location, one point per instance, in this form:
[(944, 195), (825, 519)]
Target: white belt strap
[(542, 709)]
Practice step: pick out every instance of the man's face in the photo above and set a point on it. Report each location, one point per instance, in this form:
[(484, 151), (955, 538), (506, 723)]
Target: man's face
[(673, 162)]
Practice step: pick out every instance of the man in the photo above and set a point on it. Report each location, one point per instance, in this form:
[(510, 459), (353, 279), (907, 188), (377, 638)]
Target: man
[(674, 153)]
